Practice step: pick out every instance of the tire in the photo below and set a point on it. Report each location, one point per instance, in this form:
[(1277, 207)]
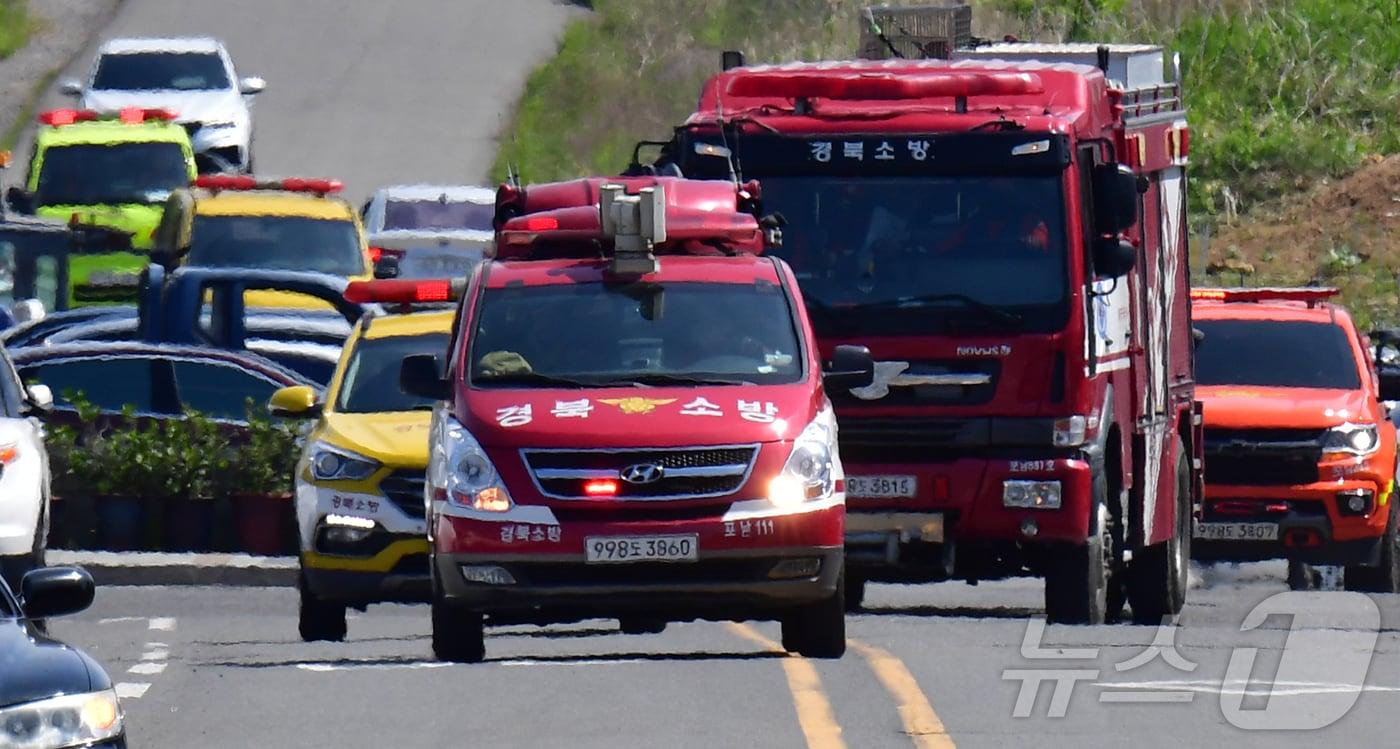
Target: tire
[(1078, 579), (1302, 576), (636, 625), (319, 620), (1385, 577), (855, 593), (459, 634), (1158, 577), (818, 630)]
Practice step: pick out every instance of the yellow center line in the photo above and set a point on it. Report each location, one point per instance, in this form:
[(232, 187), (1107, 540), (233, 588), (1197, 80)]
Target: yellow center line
[(814, 713), (920, 721)]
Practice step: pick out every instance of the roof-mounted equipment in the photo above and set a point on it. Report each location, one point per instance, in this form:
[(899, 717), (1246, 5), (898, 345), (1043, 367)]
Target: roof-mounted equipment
[(1311, 295), (217, 182), (636, 223)]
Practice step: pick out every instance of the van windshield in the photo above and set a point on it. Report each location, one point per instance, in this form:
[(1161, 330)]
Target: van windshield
[(594, 334), (1275, 353)]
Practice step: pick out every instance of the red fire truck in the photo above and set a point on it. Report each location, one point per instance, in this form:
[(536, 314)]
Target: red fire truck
[(1006, 232), (633, 422)]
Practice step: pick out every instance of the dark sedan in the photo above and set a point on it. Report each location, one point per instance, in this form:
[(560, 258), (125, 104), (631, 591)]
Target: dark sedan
[(52, 695)]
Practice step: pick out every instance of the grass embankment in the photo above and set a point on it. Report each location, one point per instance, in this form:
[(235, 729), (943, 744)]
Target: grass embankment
[(1283, 96), (15, 26)]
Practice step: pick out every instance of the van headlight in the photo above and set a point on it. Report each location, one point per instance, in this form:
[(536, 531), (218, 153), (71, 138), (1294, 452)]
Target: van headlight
[(460, 472), (809, 472), (70, 720), (1353, 439)]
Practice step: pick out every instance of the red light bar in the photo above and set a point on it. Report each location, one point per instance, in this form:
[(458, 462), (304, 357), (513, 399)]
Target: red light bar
[(600, 488), (541, 223), (245, 182), (225, 182), (128, 115), (1265, 294), (323, 186), (404, 291), (882, 86)]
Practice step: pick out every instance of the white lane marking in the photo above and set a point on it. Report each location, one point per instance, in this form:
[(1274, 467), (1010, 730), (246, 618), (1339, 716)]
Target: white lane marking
[(147, 669), (1264, 689), (327, 667), (324, 667), (163, 624), (157, 654), (130, 691), (115, 619)]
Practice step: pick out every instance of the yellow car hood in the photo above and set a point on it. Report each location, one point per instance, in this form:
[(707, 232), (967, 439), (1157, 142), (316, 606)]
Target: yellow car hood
[(397, 438)]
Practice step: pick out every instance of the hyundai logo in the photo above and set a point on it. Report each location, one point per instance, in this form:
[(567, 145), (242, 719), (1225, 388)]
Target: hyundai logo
[(643, 473)]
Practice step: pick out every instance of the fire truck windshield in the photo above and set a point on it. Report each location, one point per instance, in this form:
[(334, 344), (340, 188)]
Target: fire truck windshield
[(594, 334), (895, 255)]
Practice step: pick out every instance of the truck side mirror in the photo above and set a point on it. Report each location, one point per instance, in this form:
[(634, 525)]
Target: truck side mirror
[(419, 375), (850, 367), (20, 200), (1115, 199), (71, 87), (1113, 257)]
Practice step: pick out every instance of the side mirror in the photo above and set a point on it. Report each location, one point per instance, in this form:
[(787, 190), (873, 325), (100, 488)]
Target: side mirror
[(1115, 198), (387, 266), (419, 375), (1197, 335), (20, 200), (71, 87), (56, 591), (251, 85), (297, 402), (850, 367), (29, 310), (40, 398), (1113, 257)]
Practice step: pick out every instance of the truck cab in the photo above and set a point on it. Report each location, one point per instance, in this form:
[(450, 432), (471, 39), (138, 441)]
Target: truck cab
[(1006, 232), (633, 423)]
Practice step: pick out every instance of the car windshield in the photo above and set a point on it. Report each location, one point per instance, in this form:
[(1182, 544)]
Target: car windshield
[(1275, 353), (899, 255), (105, 174), (161, 71), (368, 385), (643, 333), (277, 243), (440, 215)]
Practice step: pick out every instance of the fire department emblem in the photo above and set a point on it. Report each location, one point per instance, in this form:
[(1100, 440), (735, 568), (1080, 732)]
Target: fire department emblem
[(636, 405), (885, 372)]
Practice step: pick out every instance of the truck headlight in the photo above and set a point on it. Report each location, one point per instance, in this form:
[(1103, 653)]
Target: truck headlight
[(1353, 439), (330, 463), (809, 472), (1032, 495), (1070, 431), (70, 720), (460, 472)]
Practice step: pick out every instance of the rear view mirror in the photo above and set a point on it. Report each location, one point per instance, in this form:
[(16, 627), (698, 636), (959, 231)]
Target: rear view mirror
[(850, 367), (40, 398), (1115, 199), (1113, 257), (56, 591), (296, 402), (419, 375), (71, 87)]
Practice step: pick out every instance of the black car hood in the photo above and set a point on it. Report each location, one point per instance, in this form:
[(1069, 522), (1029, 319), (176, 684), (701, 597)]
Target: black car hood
[(34, 667)]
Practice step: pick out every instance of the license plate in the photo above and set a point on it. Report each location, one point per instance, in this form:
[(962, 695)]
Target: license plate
[(420, 265), (881, 486), (616, 549), (1237, 531)]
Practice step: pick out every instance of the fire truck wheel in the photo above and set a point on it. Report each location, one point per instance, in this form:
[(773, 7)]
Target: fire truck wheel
[(459, 634), (1302, 576), (1158, 577), (818, 630), (637, 625), (1076, 583), (1385, 577), (320, 621), (855, 592)]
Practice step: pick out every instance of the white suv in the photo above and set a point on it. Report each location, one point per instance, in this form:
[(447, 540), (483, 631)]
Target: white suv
[(192, 77), (24, 475)]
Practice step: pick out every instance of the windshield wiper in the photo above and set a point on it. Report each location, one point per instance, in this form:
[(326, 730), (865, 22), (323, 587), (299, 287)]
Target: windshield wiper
[(532, 378), (986, 310), (662, 378)]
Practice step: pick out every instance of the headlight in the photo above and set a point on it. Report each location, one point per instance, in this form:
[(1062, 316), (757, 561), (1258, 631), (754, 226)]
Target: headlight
[(71, 720), (1355, 439), (1031, 495), (460, 472), (335, 464), (1070, 431), (810, 470)]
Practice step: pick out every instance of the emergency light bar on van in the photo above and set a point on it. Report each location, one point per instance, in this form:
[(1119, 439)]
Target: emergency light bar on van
[(882, 86), (128, 115), (1310, 295), (247, 182), (416, 291)]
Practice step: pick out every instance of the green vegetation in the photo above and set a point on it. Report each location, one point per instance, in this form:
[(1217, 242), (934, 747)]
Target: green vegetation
[(15, 26)]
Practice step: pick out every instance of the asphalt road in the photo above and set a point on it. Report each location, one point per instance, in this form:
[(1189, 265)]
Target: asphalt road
[(928, 667), (366, 91)]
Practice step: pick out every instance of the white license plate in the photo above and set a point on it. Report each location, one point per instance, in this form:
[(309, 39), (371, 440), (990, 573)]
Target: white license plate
[(420, 265), (1237, 531), (614, 549), (881, 486)]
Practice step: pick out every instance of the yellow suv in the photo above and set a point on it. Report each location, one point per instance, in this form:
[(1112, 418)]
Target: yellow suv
[(289, 224), (359, 481)]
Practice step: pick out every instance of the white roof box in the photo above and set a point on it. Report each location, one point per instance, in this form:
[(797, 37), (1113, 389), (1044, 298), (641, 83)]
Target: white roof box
[(1130, 66)]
